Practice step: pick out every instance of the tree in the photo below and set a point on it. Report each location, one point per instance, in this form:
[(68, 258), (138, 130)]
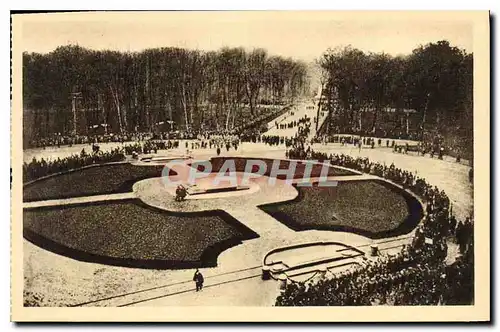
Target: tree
[(254, 73), (142, 90)]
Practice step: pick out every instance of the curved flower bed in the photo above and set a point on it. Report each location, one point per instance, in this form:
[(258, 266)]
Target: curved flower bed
[(241, 162), (94, 180), (129, 233), (372, 208)]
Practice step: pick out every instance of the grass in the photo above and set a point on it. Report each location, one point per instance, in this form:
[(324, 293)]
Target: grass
[(98, 180), (128, 233), (240, 164), (371, 208)]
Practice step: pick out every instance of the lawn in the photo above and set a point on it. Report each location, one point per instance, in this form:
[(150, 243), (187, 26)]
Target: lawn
[(371, 208), (240, 164), (98, 180), (128, 233)]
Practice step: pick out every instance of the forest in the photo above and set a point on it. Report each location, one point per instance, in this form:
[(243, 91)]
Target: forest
[(428, 92), (372, 93), (127, 91)]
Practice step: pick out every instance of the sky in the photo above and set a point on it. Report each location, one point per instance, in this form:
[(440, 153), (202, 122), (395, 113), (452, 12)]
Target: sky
[(301, 35)]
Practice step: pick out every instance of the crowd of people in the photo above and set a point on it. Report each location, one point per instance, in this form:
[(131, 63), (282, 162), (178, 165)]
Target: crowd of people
[(40, 168), (303, 129), (250, 132), (379, 132), (150, 146), (434, 148), (293, 124), (413, 277), (145, 145), (58, 140), (257, 122), (419, 275), (432, 145)]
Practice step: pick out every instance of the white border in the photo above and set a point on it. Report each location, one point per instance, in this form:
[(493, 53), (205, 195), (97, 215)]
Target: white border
[(212, 5)]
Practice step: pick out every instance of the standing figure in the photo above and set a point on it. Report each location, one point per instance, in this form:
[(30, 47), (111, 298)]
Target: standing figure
[(180, 193), (198, 280)]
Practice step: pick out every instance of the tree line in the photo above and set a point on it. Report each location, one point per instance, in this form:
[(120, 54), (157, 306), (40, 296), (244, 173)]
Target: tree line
[(135, 91), (434, 82)]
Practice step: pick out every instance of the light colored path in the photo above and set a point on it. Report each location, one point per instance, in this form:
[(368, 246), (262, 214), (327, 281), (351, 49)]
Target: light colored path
[(299, 111), (78, 200), (178, 289), (260, 222), (250, 291)]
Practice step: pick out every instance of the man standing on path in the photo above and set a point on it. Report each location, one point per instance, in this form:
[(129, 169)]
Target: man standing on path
[(198, 279)]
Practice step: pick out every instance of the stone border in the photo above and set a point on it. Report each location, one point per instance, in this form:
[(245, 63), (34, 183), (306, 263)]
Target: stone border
[(304, 245)]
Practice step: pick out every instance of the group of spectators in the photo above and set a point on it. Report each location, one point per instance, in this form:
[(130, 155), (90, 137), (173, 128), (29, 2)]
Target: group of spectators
[(412, 277), (57, 140), (378, 132), (208, 141), (293, 124), (433, 146), (40, 168), (150, 146), (419, 274), (256, 124), (303, 130), (305, 120)]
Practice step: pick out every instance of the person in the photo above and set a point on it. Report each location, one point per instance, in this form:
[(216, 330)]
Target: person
[(198, 280), (218, 151), (180, 193), (441, 153)]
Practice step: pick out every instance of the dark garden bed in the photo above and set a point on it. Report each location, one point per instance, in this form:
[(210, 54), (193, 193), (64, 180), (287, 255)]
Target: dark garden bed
[(131, 234), (372, 208), (98, 180), (240, 165)]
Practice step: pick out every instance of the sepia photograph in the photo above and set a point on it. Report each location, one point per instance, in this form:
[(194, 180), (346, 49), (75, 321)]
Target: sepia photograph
[(229, 165)]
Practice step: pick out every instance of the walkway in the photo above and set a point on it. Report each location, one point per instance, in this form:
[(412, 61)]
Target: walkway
[(78, 200)]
